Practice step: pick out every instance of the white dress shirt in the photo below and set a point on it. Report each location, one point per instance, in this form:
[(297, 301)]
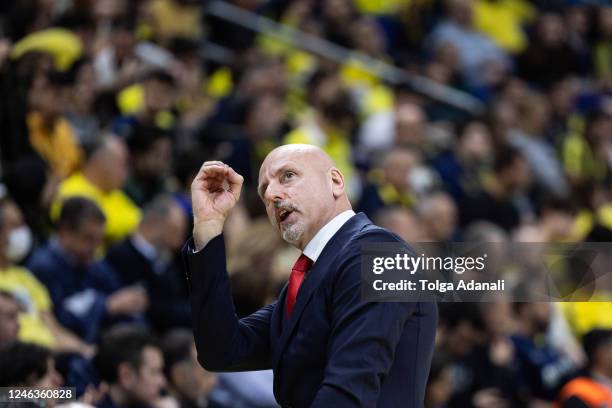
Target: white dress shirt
[(317, 243)]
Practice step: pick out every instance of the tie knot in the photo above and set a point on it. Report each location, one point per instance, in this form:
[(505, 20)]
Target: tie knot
[(302, 264)]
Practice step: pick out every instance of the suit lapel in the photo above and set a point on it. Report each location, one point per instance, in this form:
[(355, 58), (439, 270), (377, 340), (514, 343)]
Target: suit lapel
[(312, 281)]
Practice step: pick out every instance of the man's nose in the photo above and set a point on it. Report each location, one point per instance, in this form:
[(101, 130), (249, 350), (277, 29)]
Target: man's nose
[(273, 193)]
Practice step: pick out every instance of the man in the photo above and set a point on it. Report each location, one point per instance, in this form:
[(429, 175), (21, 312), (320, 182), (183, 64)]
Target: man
[(595, 389), (85, 292), (146, 258), (151, 158), (540, 367), (131, 363), (50, 133), (101, 180), (188, 383), (401, 221), (326, 346), (389, 183), (37, 324), (504, 199), (9, 318), (28, 365), (439, 216)]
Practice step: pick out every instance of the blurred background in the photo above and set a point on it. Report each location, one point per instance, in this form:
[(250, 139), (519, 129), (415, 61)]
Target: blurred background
[(458, 120)]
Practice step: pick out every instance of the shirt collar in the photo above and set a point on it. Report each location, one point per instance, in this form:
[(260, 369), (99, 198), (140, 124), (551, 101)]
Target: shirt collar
[(317, 243)]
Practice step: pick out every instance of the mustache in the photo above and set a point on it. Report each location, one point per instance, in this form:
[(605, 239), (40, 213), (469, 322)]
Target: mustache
[(284, 205)]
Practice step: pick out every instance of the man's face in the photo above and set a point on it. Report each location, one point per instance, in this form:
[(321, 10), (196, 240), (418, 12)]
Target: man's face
[(146, 383), (115, 160), (175, 229), (297, 189), (83, 242), (158, 95), (540, 315), (442, 218), (9, 320), (157, 160), (191, 380)]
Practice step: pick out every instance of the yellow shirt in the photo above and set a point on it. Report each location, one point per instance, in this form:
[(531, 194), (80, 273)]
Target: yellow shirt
[(502, 21), (57, 146), (585, 316), (122, 215), (34, 298), (171, 19)]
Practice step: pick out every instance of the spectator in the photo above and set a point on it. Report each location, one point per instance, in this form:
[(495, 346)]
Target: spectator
[(102, 178), (503, 200), (478, 55), (405, 125), (80, 110), (116, 64), (176, 18), (439, 383), (503, 21), (541, 369), (188, 382), (9, 318), (487, 369), (390, 182), (28, 365), (592, 390), (50, 133), (401, 221), (85, 292), (37, 322), (130, 361), (151, 159), (584, 151), (33, 191), (439, 217), (464, 168), (530, 140), (148, 103), (146, 258), (548, 49), (20, 241)]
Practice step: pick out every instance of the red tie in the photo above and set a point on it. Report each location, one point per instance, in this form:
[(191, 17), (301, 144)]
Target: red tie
[(300, 268)]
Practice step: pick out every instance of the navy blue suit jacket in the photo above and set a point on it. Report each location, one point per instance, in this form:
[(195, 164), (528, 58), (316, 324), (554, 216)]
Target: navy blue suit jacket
[(335, 349)]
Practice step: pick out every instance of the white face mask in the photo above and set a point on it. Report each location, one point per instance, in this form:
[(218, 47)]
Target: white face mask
[(20, 242), (421, 179)]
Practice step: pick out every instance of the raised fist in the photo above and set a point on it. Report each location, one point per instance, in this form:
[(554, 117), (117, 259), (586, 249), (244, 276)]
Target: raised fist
[(214, 192)]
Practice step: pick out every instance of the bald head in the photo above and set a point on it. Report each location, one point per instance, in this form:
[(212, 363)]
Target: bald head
[(108, 165), (302, 190), (303, 152)]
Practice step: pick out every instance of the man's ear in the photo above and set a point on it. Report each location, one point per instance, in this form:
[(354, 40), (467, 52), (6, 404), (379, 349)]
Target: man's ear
[(337, 180)]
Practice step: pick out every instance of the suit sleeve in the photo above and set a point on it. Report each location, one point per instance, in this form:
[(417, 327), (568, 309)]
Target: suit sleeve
[(364, 337), (224, 342)]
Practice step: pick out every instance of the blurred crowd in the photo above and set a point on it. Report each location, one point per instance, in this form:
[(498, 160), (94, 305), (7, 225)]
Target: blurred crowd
[(109, 108)]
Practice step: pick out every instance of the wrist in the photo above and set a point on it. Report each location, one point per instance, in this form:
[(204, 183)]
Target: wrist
[(204, 231)]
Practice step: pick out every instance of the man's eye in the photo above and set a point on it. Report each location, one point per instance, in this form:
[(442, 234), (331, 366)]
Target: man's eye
[(287, 175)]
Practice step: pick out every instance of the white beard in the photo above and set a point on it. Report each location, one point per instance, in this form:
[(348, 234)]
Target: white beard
[(292, 233)]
